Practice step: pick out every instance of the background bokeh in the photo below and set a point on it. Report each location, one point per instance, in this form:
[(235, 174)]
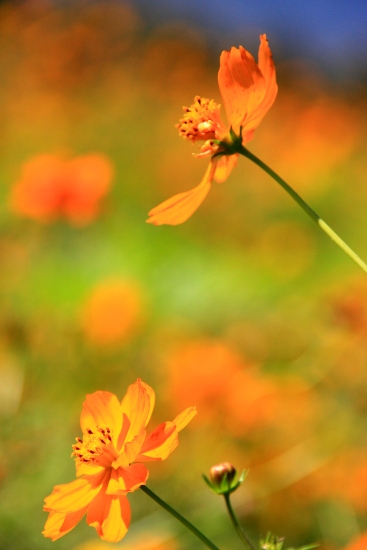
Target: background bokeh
[(247, 310)]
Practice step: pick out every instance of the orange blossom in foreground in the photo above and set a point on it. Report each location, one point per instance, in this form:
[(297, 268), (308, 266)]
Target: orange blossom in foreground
[(51, 188), (109, 461), (248, 91)]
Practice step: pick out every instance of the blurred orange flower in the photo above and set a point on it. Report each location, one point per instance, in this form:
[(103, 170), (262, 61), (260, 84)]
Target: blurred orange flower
[(358, 544), (248, 91), (51, 188), (202, 371), (250, 401), (112, 313), (342, 477), (306, 149), (109, 460), (350, 307)]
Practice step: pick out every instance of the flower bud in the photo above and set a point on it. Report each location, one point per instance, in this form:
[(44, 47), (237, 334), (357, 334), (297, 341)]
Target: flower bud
[(223, 478), (219, 471)]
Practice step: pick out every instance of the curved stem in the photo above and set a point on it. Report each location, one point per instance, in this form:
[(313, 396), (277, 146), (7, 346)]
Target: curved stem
[(235, 522), (315, 217), (180, 518)]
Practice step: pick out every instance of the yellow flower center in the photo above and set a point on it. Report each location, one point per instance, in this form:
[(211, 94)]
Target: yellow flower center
[(94, 443), (200, 121)]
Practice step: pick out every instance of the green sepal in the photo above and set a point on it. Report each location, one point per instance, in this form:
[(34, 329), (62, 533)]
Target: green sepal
[(233, 135), (225, 487), (271, 542), (230, 146)]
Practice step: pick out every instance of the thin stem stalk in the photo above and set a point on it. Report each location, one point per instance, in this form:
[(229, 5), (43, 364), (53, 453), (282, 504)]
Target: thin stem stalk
[(309, 211), (235, 522), (180, 518)]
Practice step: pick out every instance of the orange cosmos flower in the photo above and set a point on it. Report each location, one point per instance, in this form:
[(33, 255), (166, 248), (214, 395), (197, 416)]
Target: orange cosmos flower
[(51, 188), (248, 90), (109, 461)]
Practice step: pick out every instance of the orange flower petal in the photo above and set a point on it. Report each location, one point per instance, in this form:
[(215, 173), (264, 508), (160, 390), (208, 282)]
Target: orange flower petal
[(132, 448), (225, 166), (151, 394), (58, 524), (53, 525), (87, 469), (267, 68), (137, 405), (121, 461), (160, 443), (180, 207), (164, 439), (116, 485), (241, 85), (71, 520), (184, 418), (102, 408), (110, 515), (248, 90), (134, 476), (125, 480), (72, 497)]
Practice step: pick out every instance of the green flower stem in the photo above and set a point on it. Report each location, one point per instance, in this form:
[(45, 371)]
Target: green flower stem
[(315, 217), (180, 518), (235, 522)]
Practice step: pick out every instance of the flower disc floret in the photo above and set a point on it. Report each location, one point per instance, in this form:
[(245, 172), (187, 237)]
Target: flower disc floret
[(201, 120)]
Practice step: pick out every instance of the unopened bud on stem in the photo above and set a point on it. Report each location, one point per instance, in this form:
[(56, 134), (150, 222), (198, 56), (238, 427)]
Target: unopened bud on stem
[(223, 478), (217, 473)]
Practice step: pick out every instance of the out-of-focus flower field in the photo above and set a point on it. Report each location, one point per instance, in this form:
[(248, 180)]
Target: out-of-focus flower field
[(247, 310)]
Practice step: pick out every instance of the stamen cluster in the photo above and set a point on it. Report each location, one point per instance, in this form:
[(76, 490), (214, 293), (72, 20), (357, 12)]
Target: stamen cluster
[(92, 445), (201, 121)]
